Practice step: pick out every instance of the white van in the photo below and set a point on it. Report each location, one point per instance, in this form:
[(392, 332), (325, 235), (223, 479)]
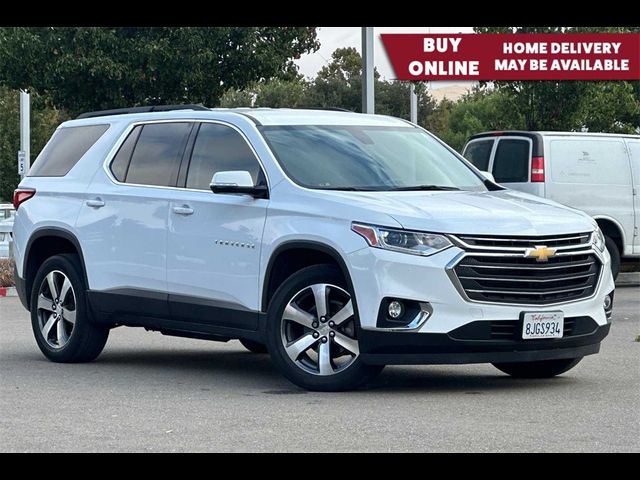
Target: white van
[(598, 173)]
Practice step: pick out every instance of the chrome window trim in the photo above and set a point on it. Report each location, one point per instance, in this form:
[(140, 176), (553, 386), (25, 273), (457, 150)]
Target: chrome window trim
[(106, 165)]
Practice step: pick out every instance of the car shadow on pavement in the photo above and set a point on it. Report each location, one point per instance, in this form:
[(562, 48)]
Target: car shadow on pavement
[(244, 367), (435, 378)]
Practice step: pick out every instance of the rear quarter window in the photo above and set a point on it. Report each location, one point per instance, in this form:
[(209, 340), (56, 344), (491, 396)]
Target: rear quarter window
[(65, 148)]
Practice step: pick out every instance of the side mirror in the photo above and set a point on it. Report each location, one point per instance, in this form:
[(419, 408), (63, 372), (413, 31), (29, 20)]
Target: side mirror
[(488, 176), (237, 183)]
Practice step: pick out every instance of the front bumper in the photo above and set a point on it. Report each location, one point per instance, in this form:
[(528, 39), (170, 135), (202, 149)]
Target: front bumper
[(425, 279), (385, 348)]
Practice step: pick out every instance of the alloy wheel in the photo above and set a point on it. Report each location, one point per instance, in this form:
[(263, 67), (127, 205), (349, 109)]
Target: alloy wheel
[(318, 330), (56, 309)]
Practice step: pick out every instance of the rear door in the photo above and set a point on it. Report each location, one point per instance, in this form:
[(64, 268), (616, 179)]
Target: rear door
[(511, 164), (123, 223), (634, 151)]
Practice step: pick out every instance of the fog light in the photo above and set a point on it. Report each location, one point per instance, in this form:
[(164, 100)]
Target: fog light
[(396, 309), (607, 302)]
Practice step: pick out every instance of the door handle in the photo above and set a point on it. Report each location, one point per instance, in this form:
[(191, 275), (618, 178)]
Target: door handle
[(95, 203), (183, 210)]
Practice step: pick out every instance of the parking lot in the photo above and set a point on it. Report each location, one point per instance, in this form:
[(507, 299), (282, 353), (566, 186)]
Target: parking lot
[(148, 392)]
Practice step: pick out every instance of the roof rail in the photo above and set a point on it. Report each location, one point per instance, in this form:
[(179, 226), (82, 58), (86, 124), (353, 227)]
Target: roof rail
[(333, 109), (152, 108)]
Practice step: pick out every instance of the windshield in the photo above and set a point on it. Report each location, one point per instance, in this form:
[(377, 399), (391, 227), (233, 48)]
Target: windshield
[(368, 158)]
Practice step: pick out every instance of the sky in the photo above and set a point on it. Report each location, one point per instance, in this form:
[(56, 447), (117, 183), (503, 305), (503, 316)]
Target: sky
[(335, 37)]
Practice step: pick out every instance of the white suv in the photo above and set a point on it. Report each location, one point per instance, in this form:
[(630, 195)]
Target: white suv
[(338, 242)]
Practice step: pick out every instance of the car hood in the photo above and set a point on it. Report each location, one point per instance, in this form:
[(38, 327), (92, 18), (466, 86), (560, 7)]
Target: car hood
[(504, 212)]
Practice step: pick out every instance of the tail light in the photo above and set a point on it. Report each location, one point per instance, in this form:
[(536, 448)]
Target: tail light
[(537, 169), (21, 195)]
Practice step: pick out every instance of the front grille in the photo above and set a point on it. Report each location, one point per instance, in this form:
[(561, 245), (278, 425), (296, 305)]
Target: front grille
[(494, 270)]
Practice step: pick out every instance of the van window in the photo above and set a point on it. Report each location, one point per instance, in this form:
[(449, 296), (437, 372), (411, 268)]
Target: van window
[(157, 155), (511, 162), (66, 147), (220, 148), (478, 153), (589, 161)]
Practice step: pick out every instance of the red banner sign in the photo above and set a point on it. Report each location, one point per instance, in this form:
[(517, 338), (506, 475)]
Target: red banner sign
[(571, 56)]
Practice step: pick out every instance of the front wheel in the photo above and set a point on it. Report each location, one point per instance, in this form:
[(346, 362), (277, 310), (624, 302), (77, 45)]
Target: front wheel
[(542, 369), (312, 332)]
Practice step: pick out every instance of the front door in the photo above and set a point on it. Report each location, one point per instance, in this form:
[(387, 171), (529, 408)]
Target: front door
[(215, 240)]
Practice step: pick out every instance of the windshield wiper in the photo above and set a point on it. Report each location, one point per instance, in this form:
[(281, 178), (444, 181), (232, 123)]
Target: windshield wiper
[(348, 189), (422, 188)]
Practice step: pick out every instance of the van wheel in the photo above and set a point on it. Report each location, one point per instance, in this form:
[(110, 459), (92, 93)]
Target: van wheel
[(59, 313), (254, 347), (312, 332), (542, 369), (615, 256)]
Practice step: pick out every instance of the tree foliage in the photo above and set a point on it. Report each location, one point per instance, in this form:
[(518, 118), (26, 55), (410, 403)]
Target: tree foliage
[(90, 68)]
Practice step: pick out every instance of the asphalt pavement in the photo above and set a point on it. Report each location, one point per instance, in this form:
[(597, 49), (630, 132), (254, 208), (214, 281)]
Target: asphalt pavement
[(147, 392)]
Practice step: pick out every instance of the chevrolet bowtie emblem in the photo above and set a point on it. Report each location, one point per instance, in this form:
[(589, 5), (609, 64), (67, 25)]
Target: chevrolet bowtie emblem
[(541, 253)]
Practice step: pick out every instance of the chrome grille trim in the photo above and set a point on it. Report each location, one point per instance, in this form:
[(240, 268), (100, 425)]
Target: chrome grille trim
[(504, 276), (520, 244)]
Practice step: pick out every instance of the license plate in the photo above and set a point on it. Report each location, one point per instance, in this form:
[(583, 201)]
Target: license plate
[(542, 325)]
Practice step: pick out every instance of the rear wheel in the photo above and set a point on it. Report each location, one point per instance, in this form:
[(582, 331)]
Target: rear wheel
[(254, 347), (615, 256), (59, 314), (542, 369), (312, 332)]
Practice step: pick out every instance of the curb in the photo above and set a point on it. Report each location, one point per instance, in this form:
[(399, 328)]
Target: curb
[(8, 292), (628, 279)]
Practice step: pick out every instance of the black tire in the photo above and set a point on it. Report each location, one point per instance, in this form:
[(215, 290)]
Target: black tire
[(254, 347), (542, 369), (86, 340), (615, 256), (354, 375)]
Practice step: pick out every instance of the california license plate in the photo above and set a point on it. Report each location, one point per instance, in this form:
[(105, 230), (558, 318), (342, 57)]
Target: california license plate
[(542, 325)]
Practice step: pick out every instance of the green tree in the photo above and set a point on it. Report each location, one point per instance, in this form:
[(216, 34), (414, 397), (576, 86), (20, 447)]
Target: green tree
[(87, 68), (279, 93), (43, 122), (338, 84)]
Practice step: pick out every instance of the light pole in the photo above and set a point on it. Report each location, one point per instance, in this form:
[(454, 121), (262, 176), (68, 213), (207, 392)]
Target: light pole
[(368, 98), (24, 158)]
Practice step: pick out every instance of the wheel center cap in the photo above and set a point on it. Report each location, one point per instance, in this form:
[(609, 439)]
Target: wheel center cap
[(323, 330)]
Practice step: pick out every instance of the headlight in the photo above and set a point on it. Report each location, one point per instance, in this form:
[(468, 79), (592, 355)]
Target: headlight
[(415, 243), (597, 239)]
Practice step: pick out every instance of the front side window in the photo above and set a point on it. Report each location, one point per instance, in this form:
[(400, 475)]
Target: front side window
[(220, 148), (511, 162), (66, 147), (368, 158), (479, 152), (157, 154)]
